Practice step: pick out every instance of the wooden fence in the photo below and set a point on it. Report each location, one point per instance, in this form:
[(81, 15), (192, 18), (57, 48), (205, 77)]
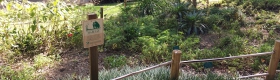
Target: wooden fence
[(176, 61)]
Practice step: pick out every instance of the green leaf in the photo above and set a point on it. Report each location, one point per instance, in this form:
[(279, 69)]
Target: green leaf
[(55, 2), (32, 14), (33, 27), (34, 22), (9, 6)]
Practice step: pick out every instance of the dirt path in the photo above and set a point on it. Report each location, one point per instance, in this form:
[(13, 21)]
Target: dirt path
[(73, 62)]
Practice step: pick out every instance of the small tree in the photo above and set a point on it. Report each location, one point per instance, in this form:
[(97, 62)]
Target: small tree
[(193, 2)]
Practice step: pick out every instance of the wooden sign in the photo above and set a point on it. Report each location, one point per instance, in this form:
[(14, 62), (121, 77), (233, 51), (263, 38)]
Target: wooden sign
[(93, 32)]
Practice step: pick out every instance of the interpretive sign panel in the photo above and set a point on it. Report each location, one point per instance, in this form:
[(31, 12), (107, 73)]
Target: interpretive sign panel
[(93, 32)]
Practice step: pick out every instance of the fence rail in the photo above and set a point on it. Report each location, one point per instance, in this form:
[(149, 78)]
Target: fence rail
[(149, 68), (256, 75), (226, 58)]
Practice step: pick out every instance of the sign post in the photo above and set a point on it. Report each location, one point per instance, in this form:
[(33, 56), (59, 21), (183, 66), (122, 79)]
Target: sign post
[(93, 35)]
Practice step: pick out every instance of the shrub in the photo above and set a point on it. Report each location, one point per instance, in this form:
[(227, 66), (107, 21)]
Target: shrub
[(122, 35), (47, 27), (152, 50), (192, 24), (150, 7), (213, 19), (26, 73), (192, 42), (233, 45), (261, 4), (115, 61), (157, 49)]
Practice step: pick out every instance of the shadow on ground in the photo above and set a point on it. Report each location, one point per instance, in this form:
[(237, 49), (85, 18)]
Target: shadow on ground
[(73, 63)]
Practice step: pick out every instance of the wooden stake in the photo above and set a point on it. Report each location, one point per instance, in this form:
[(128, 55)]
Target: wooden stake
[(125, 3), (274, 61), (175, 64), (93, 55), (101, 12)]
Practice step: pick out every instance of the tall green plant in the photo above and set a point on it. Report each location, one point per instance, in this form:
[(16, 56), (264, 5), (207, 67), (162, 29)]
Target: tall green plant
[(192, 23), (41, 26)]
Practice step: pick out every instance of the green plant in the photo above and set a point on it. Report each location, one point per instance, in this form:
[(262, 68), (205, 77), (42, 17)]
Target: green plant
[(41, 60), (115, 61), (157, 49), (44, 28), (233, 45), (192, 23), (261, 4), (26, 73), (212, 20), (150, 7), (161, 73), (153, 50), (192, 42)]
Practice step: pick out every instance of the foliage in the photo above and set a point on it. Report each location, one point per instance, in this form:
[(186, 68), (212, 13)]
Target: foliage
[(262, 4), (192, 42), (149, 29), (48, 26), (192, 23), (223, 17), (7, 73), (118, 33), (41, 60), (157, 49), (162, 73), (115, 61), (150, 7), (234, 45)]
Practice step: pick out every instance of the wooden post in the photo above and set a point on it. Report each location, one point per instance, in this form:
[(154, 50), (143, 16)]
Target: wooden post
[(175, 64), (274, 61), (101, 12), (93, 55), (125, 3)]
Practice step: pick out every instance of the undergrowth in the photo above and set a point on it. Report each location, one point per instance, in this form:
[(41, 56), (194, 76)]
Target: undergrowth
[(149, 29)]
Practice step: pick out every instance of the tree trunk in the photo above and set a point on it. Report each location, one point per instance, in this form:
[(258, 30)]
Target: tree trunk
[(194, 3)]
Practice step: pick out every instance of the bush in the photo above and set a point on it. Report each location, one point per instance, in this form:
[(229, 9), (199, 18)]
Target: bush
[(152, 50), (233, 45), (265, 4), (121, 35), (26, 73), (150, 7), (48, 27), (115, 61)]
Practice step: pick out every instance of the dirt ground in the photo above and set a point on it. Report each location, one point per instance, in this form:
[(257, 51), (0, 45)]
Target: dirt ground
[(73, 62)]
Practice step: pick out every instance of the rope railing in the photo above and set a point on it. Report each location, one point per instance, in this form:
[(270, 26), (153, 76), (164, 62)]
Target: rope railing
[(256, 75), (136, 72), (226, 58), (203, 60)]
